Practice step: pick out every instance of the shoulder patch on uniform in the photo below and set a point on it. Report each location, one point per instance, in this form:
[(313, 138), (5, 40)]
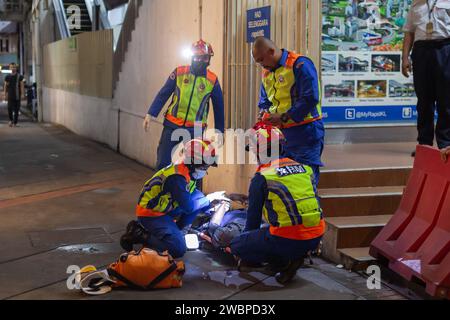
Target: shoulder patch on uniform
[(299, 65), (288, 170), (173, 76)]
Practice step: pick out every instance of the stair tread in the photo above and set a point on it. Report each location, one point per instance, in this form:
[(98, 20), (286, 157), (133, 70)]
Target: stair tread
[(359, 221), (361, 191), (373, 169), (357, 254)]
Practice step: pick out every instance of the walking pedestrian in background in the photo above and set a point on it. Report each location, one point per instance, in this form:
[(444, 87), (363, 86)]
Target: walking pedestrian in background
[(14, 90)]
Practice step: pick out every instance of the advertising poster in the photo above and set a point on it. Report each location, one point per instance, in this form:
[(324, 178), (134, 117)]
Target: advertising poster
[(361, 62)]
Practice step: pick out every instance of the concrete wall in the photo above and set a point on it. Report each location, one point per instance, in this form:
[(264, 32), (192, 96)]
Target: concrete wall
[(43, 31), (81, 64), (77, 86), (87, 116)]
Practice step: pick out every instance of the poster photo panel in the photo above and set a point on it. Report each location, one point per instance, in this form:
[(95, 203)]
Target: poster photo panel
[(361, 63)]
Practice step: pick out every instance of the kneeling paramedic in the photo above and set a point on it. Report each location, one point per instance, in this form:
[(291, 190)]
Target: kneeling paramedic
[(169, 202), (282, 191)]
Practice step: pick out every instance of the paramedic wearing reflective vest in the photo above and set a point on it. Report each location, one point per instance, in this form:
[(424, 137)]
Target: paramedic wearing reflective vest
[(282, 191), (171, 195), (191, 88), (290, 99)]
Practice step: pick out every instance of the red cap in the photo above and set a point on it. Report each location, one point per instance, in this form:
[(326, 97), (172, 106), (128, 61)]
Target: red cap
[(265, 134), (202, 48), (199, 152)]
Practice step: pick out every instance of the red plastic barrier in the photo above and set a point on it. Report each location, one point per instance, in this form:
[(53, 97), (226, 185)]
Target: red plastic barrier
[(416, 241)]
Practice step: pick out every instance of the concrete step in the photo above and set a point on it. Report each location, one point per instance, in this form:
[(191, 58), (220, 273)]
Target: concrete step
[(370, 177), (80, 3), (350, 232), (348, 202), (356, 258)]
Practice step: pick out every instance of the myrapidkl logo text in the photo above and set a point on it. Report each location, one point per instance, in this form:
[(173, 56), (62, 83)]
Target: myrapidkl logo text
[(370, 114)]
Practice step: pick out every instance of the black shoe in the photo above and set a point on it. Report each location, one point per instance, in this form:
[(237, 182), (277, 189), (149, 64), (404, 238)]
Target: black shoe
[(272, 269), (249, 267), (267, 269), (290, 271), (135, 234)]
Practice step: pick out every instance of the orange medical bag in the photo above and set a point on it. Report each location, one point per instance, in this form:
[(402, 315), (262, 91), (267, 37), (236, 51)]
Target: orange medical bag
[(147, 269)]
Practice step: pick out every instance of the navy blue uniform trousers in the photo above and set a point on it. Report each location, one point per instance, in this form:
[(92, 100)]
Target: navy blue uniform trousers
[(431, 67), (165, 233), (167, 146), (259, 246)]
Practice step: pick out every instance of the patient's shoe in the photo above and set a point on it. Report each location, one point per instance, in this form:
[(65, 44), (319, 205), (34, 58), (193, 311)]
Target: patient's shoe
[(135, 234)]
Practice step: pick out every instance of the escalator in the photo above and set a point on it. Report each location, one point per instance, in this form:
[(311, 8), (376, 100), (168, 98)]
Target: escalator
[(69, 24), (93, 16), (85, 19)]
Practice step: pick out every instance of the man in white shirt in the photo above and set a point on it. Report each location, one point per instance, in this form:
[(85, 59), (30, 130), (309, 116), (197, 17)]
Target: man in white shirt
[(427, 33)]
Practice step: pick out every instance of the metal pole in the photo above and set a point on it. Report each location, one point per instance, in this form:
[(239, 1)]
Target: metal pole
[(200, 19), (37, 62)]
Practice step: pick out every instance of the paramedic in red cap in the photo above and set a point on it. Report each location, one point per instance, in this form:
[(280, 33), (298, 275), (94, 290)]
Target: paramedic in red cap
[(171, 195), (282, 191), (191, 88)]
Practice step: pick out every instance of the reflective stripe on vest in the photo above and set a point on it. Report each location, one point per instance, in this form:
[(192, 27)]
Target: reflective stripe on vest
[(282, 92), (153, 202), (190, 101), (292, 208)]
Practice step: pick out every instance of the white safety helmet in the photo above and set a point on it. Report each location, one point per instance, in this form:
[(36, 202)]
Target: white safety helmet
[(92, 281)]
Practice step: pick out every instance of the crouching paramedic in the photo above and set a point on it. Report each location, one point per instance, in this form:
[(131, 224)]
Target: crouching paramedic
[(169, 202), (282, 191)]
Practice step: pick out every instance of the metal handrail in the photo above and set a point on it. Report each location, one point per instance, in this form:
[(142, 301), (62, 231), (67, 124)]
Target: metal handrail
[(103, 14), (61, 18), (89, 8), (124, 38)]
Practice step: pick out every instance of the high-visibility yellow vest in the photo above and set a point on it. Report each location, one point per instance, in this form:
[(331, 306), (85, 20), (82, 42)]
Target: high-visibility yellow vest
[(291, 207), (190, 101), (153, 202), (282, 93)]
